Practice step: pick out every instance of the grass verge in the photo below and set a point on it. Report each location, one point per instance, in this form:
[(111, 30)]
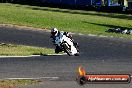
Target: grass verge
[(15, 83), (78, 21), (21, 50)]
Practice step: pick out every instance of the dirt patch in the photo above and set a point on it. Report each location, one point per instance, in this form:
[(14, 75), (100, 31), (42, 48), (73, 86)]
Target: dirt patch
[(23, 27), (7, 85)]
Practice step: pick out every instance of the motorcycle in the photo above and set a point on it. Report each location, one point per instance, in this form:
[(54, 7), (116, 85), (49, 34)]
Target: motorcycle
[(67, 45)]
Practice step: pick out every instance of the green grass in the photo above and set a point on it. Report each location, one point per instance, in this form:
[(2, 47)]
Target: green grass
[(78, 21), (15, 83), (21, 50)]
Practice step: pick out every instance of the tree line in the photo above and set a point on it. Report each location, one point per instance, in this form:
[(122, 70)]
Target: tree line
[(29, 2), (5, 1)]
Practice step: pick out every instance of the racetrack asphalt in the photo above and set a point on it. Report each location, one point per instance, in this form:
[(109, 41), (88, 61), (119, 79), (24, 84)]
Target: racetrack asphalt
[(97, 55)]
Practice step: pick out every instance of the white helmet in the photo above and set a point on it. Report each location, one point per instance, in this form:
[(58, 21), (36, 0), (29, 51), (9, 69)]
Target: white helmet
[(54, 31)]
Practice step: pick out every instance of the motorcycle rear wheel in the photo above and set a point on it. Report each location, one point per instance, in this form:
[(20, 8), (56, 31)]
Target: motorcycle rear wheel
[(67, 50)]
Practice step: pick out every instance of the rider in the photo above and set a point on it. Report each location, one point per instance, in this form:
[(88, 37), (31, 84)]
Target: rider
[(55, 33)]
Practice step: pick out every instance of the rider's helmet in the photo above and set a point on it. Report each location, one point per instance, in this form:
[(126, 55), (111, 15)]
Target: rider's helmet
[(54, 31)]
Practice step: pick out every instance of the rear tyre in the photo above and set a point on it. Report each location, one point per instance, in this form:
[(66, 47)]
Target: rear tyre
[(67, 50)]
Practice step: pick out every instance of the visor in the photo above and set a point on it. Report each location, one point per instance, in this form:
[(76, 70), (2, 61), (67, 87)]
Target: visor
[(53, 33)]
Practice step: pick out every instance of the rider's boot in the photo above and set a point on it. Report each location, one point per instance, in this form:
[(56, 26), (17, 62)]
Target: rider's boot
[(58, 49)]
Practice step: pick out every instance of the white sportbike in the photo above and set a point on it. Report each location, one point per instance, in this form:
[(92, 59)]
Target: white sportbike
[(67, 45)]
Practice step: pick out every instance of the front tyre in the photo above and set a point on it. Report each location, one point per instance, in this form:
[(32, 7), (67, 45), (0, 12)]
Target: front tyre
[(77, 54)]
